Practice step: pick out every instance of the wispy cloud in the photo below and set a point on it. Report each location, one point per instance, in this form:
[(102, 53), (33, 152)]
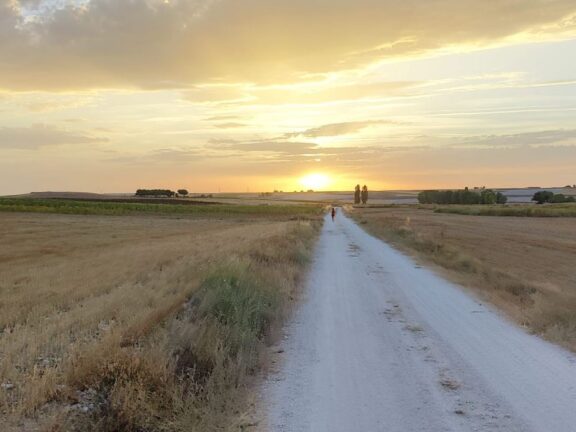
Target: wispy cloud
[(38, 136), (336, 129), (262, 146), (221, 118), (230, 125), (288, 151), (532, 139)]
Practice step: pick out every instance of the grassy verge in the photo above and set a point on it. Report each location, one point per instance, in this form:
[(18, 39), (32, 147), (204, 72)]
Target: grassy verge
[(549, 313), (548, 210), (117, 208)]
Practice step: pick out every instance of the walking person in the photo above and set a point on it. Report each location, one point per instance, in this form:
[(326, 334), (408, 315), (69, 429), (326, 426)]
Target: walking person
[(333, 213)]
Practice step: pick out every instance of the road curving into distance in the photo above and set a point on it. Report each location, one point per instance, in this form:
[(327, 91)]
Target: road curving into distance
[(381, 344)]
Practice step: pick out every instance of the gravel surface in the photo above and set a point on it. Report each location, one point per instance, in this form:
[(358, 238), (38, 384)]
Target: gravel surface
[(381, 344)]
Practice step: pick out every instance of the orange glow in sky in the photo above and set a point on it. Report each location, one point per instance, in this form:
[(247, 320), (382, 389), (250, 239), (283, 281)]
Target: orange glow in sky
[(262, 95)]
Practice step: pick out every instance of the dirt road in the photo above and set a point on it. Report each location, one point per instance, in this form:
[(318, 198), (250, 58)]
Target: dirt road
[(380, 344)]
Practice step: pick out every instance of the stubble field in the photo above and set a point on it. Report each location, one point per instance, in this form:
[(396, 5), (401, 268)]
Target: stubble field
[(140, 322)]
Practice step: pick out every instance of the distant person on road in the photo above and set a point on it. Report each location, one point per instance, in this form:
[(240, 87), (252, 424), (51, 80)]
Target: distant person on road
[(333, 213)]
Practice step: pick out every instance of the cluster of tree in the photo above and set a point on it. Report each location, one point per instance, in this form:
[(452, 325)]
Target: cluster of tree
[(542, 197), (155, 193), (360, 195), (465, 196), (161, 193)]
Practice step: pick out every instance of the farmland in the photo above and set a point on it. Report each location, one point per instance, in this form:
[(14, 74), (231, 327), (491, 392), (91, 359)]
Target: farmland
[(112, 208), (525, 210), (141, 316)]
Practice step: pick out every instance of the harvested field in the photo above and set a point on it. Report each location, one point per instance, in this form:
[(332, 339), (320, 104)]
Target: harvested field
[(170, 201), (519, 210), (525, 266), (128, 323)]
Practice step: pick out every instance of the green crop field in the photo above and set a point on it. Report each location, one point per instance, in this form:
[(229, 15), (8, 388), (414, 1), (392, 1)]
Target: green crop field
[(122, 208)]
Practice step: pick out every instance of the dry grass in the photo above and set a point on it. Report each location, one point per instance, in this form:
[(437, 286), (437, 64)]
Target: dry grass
[(518, 210), (138, 323), (525, 266)]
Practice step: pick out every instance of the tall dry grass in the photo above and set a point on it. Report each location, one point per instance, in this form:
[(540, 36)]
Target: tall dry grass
[(139, 334)]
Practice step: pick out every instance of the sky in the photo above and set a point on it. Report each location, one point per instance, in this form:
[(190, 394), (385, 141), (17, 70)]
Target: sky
[(258, 95)]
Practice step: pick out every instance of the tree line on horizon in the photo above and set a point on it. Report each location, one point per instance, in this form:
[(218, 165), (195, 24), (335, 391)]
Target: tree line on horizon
[(542, 197), (160, 193), (462, 196)]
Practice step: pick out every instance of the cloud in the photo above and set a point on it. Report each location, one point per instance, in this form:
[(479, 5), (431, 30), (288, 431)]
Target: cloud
[(162, 155), (43, 102), (39, 107), (278, 150), (222, 118), (156, 44), (536, 139), (560, 137), (262, 146), (38, 136), (274, 150), (336, 129), (230, 125), (176, 155), (318, 92), (216, 94), (331, 92), (42, 106)]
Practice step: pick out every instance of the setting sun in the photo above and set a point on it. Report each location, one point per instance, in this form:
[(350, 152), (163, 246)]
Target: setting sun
[(315, 181)]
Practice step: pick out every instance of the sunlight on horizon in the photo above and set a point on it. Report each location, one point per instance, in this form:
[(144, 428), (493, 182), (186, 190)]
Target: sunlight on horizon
[(316, 181)]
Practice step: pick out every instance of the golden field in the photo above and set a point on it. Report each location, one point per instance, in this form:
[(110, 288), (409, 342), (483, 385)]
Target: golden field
[(141, 323)]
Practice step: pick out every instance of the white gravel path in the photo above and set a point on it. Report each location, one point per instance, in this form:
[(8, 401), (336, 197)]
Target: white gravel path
[(380, 344)]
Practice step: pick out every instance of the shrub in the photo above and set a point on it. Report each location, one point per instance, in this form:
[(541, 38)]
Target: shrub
[(561, 198), (542, 197), (243, 306), (465, 196), (155, 193), (501, 198)]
